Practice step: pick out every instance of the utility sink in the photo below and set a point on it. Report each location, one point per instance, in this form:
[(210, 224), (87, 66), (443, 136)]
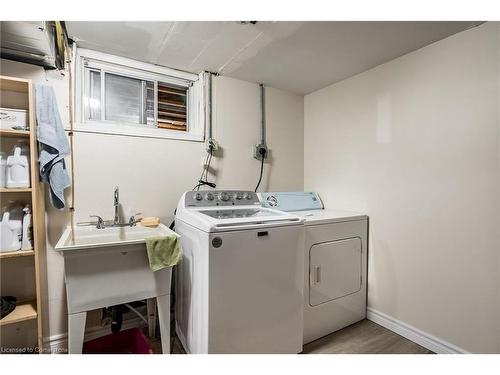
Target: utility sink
[(110, 266), (89, 237)]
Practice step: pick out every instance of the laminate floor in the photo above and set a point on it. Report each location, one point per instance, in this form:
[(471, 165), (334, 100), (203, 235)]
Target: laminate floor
[(364, 337)]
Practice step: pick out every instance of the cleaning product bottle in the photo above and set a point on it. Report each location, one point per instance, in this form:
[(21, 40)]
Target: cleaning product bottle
[(11, 230), (3, 169), (18, 173), (27, 241), (7, 235), (16, 220)]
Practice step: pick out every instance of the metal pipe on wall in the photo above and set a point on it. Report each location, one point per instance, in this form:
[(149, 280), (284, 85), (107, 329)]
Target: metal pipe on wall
[(262, 114), (209, 105)]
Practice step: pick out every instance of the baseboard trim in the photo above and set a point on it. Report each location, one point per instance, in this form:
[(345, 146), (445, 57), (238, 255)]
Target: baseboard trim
[(422, 338), (59, 343)]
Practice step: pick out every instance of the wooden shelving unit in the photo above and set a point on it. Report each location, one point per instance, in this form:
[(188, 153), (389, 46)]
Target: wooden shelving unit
[(22, 91), (24, 311)]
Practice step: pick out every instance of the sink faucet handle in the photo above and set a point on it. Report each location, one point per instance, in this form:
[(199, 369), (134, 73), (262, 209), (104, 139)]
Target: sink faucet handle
[(100, 221), (133, 221)]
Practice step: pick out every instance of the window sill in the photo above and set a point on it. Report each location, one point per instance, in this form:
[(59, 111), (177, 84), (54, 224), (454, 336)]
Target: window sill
[(134, 131)]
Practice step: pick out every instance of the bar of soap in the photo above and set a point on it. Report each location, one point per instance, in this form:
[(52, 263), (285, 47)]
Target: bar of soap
[(150, 221)]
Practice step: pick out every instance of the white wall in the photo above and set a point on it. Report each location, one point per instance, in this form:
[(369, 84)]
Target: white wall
[(153, 173), (414, 143)]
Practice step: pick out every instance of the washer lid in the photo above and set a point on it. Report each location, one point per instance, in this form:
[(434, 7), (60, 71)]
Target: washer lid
[(223, 219), (238, 213)]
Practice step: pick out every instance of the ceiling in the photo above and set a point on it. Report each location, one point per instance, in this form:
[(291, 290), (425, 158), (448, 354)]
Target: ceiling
[(300, 57)]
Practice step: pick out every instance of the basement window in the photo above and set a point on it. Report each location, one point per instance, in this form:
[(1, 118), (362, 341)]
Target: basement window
[(115, 95)]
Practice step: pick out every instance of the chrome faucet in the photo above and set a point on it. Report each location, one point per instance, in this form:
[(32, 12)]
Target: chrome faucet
[(116, 204), (101, 223)]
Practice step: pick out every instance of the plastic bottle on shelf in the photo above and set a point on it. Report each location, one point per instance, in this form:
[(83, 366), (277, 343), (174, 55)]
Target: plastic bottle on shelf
[(3, 169), (27, 241), (18, 172), (11, 228)]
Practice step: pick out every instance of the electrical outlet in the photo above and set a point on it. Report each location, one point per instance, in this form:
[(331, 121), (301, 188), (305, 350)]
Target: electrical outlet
[(212, 143), (260, 151)]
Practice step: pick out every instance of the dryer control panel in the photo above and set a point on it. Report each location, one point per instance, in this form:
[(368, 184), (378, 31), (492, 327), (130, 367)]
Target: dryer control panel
[(212, 198), (291, 201)]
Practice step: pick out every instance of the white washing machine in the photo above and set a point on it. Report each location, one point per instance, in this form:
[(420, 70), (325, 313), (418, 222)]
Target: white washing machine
[(335, 262), (239, 285)]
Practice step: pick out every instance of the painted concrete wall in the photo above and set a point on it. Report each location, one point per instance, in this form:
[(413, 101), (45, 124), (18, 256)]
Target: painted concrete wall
[(153, 173), (414, 143)]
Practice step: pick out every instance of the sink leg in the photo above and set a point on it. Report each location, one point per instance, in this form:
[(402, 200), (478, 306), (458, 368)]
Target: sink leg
[(76, 331), (151, 305), (164, 317)]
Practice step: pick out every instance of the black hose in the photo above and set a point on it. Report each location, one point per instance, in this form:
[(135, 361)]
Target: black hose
[(261, 170), (197, 186), (116, 318), (206, 166), (172, 224)]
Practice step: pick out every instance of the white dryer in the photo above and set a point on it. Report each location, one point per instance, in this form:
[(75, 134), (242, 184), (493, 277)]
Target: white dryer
[(239, 285), (335, 262)]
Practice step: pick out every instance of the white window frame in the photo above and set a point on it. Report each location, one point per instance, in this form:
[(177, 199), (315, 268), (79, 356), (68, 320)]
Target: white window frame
[(196, 115)]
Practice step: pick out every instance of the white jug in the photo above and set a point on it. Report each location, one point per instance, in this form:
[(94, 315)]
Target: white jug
[(10, 232), (18, 173)]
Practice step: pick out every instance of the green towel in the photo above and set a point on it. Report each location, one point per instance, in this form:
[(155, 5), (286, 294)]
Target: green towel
[(163, 251)]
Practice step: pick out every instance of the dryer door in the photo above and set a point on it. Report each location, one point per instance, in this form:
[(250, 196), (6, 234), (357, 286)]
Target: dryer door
[(334, 270)]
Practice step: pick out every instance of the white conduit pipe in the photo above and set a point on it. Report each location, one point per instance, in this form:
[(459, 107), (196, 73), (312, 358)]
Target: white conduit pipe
[(262, 114), (209, 105)]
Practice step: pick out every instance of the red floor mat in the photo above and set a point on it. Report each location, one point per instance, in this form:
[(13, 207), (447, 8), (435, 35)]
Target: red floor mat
[(131, 341)]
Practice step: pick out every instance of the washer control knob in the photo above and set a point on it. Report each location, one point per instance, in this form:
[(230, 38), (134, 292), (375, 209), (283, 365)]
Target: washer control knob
[(209, 197), (238, 196), (224, 196), (248, 196), (198, 196)]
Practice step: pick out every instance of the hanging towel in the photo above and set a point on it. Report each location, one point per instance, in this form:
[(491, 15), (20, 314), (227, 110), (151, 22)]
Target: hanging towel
[(54, 146), (163, 251)]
